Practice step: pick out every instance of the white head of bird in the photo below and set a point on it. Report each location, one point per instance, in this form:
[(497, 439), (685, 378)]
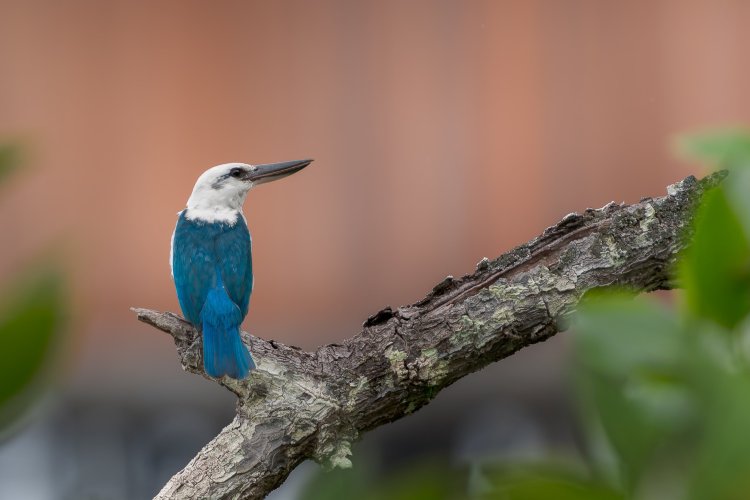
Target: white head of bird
[(220, 191)]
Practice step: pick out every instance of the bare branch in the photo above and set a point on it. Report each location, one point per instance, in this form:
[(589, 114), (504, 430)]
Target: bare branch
[(299, 405)]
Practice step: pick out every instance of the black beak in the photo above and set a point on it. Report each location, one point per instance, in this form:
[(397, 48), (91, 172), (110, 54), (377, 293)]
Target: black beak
[(268, 172)]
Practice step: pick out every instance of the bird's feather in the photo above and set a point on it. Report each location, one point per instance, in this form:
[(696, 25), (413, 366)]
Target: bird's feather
[(212, 269), (223, 350)]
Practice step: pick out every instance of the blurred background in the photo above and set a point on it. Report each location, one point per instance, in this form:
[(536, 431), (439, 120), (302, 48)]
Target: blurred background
[(443, 131)]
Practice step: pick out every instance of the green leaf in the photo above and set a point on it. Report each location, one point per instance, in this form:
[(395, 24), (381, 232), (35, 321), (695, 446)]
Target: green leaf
[(715, 270), (628, 358), (723, 148), (10, 158), (420, 481), (616, 333), (338, 483), (30, 318), (722, 466), (535, 484)]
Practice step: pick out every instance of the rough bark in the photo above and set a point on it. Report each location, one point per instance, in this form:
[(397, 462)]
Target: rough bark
[(299, 405)]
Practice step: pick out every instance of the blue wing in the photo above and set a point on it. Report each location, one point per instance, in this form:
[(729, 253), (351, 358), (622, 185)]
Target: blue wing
[(200, 251), (236, 263)]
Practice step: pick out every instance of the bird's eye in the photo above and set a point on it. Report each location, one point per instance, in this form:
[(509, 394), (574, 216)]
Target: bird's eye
[(236, 173)]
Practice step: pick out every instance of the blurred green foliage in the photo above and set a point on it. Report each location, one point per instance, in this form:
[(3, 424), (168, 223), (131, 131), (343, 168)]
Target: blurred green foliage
[(722, 148), (31, 318), (423, 481), (9, 159), (533, 482), (664, 391), (719, 291)]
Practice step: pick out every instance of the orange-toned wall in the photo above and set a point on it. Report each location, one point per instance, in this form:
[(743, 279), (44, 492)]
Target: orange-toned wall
[(443, 131)]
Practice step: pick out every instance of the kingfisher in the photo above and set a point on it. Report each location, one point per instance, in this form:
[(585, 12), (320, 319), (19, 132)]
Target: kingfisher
[(211, 260)]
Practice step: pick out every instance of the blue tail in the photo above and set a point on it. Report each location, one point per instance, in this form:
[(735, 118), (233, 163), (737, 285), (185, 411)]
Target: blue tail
[(223, 350)]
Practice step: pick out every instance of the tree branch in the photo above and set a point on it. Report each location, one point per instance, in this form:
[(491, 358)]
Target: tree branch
[(299, 405)]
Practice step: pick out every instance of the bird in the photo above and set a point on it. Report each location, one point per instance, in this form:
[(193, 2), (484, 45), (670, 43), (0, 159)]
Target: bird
[(211, 260)]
